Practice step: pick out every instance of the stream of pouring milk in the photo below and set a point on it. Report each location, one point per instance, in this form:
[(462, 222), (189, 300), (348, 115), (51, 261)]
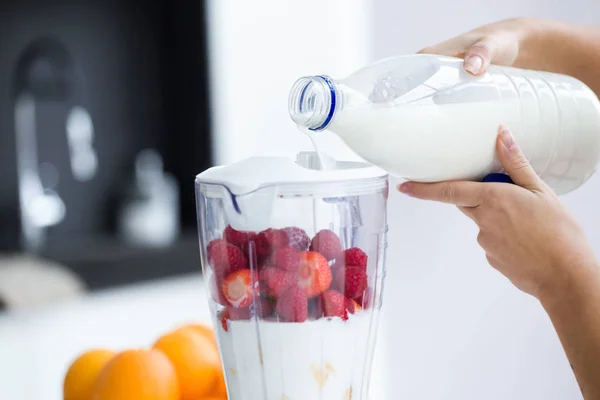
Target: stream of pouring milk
[(325, 163)]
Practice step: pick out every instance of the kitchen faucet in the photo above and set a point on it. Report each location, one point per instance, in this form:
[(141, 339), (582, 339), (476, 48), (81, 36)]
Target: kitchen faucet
[(45, 72)]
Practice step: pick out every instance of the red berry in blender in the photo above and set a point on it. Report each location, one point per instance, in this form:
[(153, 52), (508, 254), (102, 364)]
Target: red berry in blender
[(334, 304), (226, 258), (275, 281), (355, 257), (352, 281), (286, 258), (292, 305), (212, 243), (314, 274), (238, 288), (327, 243), (297, 237), (237, 238)]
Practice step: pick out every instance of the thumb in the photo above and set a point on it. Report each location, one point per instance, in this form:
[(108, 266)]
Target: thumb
[(514, 161), (479, 56)]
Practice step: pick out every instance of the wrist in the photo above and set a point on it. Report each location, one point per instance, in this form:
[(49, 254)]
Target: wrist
[(570, 283)]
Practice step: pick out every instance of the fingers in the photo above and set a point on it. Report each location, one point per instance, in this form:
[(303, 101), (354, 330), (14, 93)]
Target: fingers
[(514, 161), (479, 56), (460, 193)]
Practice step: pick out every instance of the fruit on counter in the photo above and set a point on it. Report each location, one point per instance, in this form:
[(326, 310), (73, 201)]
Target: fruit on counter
[(202, 329), (139, 375), (150, 374), (83, 373), (327, 243), (195, 360)]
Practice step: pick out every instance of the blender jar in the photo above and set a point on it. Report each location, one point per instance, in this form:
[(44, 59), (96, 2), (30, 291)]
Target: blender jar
[(293, 258)]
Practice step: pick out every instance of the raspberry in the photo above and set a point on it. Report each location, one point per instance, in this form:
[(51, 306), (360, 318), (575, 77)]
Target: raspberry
[(238, 288), (334, 304), (364, 301), (237, 238), (355, 257), (292, 305), (233, 314), (352, 281), (352, 306), (225, 258), (297, 237), (275, 281), (327, 243), (286, 258), (314, 273)]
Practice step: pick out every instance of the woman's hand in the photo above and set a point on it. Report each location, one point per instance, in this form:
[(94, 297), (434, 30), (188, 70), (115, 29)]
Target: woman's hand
[(498, 43), (527, 234)]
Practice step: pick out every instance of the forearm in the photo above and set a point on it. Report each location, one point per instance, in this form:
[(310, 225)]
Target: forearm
[(562, 48), (574, 308)]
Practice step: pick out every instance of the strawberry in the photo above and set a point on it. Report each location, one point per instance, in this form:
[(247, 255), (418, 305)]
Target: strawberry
[(292, 305), (334, 304), (215, 285), (352, 281), (238, 288), (237, 238), (225, 258), (327, 243), (297, 237), (314, 273), (275, 281), (286, 258), (355, 257), (233, 314), (212, 243)]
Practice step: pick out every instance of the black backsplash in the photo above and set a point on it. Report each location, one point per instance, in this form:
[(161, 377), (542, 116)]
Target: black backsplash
[(141, 72)]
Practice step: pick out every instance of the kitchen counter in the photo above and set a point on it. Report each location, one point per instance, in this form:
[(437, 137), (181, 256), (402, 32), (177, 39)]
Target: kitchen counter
[(36, 347)]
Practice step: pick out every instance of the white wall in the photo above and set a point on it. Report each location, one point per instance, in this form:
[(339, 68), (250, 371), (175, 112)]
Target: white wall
[(460, 330)]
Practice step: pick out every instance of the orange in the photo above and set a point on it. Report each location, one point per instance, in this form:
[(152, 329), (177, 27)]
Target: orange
[(195, 359), (137, 375), (220, 390), (82, 374), (203, 330)]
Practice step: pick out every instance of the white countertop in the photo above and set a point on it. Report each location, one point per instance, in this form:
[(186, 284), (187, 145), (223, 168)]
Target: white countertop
[(36, 347)]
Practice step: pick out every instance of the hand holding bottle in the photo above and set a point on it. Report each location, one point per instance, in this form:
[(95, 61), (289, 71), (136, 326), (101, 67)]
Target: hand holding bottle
[(530, 237)]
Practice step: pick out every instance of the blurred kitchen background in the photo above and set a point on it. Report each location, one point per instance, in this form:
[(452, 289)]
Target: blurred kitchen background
[(108, 109)]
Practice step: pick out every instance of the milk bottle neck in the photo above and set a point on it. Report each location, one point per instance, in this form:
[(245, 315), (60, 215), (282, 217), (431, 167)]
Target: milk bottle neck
[(313, 101)]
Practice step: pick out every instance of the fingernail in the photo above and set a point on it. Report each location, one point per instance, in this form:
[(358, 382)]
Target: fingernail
[(405, 187), (473, 64), (507, 139)]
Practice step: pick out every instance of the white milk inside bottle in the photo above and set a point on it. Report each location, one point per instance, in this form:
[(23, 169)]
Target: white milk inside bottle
[(423, 118)]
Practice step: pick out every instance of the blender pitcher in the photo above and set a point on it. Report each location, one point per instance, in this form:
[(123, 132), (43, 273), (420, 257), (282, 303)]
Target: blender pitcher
[(293, 259)]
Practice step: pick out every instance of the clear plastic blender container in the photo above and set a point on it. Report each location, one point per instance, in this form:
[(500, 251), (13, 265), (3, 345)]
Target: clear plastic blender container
[(293, 258)]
